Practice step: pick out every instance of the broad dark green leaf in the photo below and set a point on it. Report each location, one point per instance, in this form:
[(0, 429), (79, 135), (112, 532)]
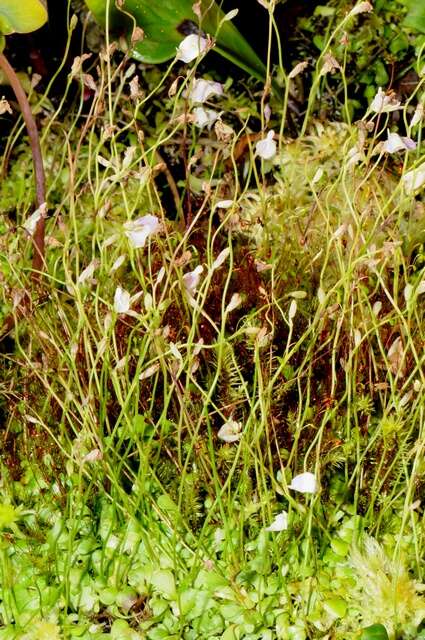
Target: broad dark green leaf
[(374, 632), (21, 16), (167, 22), (415, 18)]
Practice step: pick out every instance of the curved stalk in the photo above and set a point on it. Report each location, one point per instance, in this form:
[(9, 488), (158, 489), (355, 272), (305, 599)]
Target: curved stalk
[(40, 181)]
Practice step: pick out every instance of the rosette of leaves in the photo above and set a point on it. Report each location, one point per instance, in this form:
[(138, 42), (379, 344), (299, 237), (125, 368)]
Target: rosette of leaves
[(166, 23)]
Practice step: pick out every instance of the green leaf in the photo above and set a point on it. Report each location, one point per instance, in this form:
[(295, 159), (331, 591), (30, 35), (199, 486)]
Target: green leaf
[(21, 16), (337, 607), (374, 632), (166, 23), (163, 581), (415, 18)]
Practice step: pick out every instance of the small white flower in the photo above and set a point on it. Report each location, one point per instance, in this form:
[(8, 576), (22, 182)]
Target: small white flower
[(221, 258), (138, 231), (280, 523), (224, 204), (414, 179), (191, 279), (202, 90), (230, 431), (304, 483), (93, 456), (266, 148), (118, 263), (191, 47), (88, 272), (205, 117), (395, 143), (235, 301), (121, 300), (383, 103), (30, 224), (418, 115)]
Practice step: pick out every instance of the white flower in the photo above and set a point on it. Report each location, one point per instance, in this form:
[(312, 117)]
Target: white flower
[(205, 117), (230, 431), (88, 272), (280, 523), (304, 483), (224, 204), (235, 301), (202, 90), (395, 143), (191, 47), (418, 115), (121, 300), (382, 103), (266, 148), (30, 224), (191, 279), (138, 231), (221, 258), (414, 179)]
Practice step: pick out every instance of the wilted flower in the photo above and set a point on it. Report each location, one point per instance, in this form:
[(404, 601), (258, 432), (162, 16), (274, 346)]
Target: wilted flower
[(205, 117), (5, 107), (202, 90), (138, 231), (330, 64), (266, 148), (191, 279), (93, 456), (230, 431), (362, 7), (191, 47), (121, 300), (280, 523), (383, 103), (395, 143), (299, 68), (414, 179), (304, 483)]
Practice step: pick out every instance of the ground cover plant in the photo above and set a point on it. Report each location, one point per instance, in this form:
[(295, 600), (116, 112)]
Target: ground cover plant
[(213, 412)]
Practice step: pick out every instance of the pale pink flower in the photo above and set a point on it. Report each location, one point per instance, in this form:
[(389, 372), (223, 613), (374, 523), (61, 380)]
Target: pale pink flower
[(202, 90), (138, 231), (191, 47)]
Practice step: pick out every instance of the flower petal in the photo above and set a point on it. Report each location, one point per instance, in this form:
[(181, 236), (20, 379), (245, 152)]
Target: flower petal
[(266, 148), (304, 483), (230, 431), (280, 523), (121, 300), (202, 90), (191, 47), (138, 231)]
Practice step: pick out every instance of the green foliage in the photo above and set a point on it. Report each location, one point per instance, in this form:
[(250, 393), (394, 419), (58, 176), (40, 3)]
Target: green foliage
[(374, 632), (21, 17), (415, 18), (166, 23)]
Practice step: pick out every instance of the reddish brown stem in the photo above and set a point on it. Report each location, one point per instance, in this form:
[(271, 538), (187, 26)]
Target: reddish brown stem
[(40, 181)]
